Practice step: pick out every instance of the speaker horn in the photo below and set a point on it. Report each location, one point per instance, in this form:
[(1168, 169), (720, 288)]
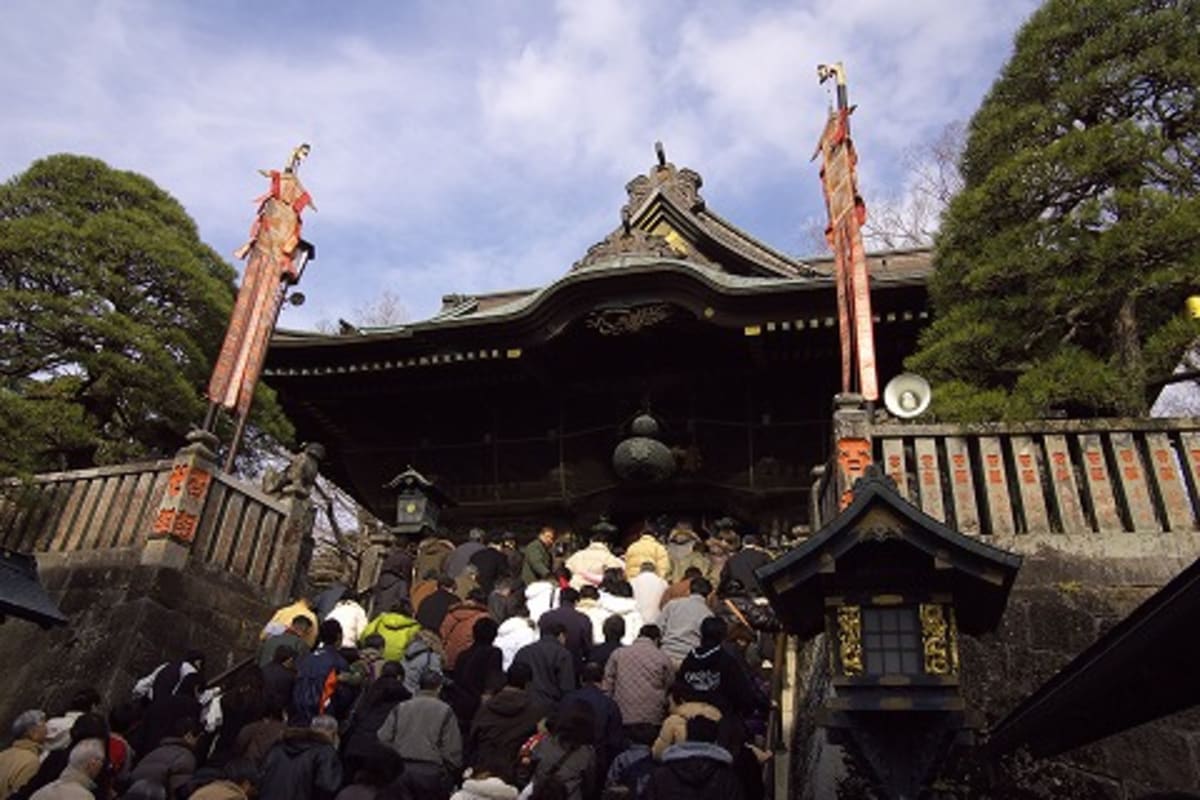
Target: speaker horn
[(907, 395)]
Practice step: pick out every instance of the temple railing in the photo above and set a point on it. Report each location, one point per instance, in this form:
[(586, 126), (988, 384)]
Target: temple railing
[(88, 509), (1095, 476), (1072, 476), (110, 514)]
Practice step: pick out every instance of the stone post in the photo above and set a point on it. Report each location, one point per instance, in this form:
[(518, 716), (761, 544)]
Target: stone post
[(170, 540), (851, 441)]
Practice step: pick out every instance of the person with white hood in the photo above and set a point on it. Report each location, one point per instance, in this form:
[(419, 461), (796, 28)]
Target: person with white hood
[(514, 633), (352, 617), (540, 597), (483, 785), (616, 598), (648, 587)]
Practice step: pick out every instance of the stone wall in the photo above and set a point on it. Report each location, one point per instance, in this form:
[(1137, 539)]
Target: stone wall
[(1071, 590), (125, 619)]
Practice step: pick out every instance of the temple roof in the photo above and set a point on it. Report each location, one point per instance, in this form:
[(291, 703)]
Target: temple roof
[(983, 575)]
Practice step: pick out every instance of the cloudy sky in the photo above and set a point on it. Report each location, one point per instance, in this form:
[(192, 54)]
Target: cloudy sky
[(475, 146)]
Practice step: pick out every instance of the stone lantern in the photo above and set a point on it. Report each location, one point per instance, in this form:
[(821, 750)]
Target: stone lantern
[(419, 503), (892, 589)]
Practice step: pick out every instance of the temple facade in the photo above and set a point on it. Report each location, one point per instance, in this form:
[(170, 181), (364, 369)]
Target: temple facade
[(513, 403)]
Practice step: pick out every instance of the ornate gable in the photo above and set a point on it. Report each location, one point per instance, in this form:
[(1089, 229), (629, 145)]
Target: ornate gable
[(665, 216)]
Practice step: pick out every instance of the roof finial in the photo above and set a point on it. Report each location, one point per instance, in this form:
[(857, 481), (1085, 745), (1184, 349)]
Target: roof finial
[(626, 221), (661, 152)]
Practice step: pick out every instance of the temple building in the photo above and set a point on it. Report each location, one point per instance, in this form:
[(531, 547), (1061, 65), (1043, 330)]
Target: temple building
[(514, 403)]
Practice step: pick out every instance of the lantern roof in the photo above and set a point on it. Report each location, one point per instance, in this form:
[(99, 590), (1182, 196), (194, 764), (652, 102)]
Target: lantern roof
[(411, 478), (978, 575)]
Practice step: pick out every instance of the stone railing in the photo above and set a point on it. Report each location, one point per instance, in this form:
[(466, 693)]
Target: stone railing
[(1045, 476), (178, 513), (1077, 476), (90, 509)]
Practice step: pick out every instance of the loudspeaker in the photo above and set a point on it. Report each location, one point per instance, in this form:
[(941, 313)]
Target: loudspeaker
[(907, 395)]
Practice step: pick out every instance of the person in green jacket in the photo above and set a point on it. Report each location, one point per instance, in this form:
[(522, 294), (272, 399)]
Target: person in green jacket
[(397, 627), (539, 557)]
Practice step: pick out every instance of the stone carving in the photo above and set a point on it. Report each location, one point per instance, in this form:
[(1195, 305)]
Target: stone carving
[(620, 321), (849, 619), (298, 478)]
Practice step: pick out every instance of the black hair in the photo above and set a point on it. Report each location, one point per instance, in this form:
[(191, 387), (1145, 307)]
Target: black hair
[(590, 592), (330, 633), (282, 653), (89, 726), (84, 699), (375, 641), (702, 729), (569, 596), (713, 631), (650, 632), (484, 630), (592, 673), (519, 675), (122, 718), (575, 725), (614, 628), (301, 621), (477, 595), (551, 627), (701, 586)]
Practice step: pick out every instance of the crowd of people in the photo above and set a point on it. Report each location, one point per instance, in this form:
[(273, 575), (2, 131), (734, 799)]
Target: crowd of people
[(484, 672)]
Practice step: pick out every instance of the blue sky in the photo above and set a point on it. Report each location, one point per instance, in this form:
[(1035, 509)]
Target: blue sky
[(475, 146)]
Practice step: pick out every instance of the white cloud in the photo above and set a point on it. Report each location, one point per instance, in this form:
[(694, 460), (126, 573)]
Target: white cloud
[(467, 154)]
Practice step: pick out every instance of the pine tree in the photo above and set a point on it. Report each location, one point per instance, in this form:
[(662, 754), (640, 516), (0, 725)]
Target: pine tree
[(111, 311), (1063, 265)]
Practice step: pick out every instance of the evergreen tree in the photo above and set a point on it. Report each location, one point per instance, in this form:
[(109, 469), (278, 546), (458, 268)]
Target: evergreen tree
[(1063, 265), (111, 311)]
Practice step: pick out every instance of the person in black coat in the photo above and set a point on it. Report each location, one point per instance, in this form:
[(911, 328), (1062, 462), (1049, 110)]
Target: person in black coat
[(478, 671), (433, 608), (502, 725), (551, 663), (741, 565), (577, 625), (305, 765), (609, 733), (491, 564), (361, 747), (279, 677)]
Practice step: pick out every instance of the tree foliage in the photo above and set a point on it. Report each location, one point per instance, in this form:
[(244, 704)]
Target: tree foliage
[(111, 311), (1063, 265)]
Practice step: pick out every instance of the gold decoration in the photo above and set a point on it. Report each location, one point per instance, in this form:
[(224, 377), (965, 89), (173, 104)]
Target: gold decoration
[(937, 636), (619, 321), (850, 640), (952, 641)]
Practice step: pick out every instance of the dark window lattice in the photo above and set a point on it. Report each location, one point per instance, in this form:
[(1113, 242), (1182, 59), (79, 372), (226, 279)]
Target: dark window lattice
[(891, 641)]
